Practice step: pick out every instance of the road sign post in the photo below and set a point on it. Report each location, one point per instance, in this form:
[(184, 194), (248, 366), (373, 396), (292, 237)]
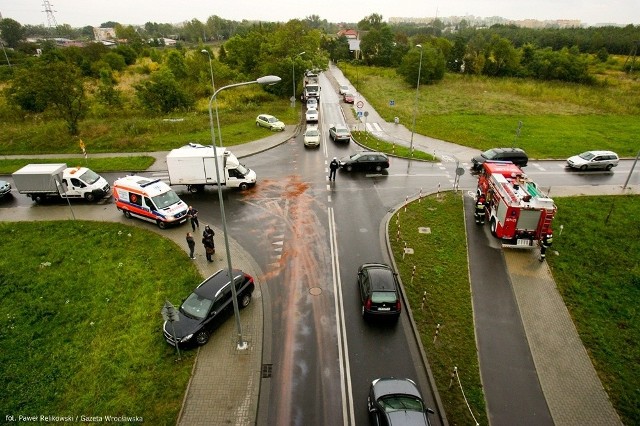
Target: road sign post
[(170, 314)]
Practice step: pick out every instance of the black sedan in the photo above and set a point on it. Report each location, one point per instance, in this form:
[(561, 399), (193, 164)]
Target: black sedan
[(379, 291), (365, 160), (394, 401), (203, 310)]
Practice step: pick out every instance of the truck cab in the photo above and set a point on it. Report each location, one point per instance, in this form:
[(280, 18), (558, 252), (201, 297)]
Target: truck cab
[(81, 182)]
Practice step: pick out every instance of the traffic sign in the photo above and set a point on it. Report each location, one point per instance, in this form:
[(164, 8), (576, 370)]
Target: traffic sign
[(392, 102), (359, 113), (360, 104)]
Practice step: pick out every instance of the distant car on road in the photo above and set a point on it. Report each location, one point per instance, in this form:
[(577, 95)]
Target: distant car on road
[(270, 122), (379, 291), (339, 133), (347, 97), (311, 115), (343, 89), (5, 188), (312, 103), (312, 136), (594, 160), (203, 309), (394, 401), (516, 155), (365, 161)]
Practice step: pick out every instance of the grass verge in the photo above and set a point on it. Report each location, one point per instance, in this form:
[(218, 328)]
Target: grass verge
[(368, 140), (600, 287), (98, 165), (80, 323)]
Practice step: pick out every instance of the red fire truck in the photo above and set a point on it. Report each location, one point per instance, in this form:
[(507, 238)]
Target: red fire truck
[(519, 213)]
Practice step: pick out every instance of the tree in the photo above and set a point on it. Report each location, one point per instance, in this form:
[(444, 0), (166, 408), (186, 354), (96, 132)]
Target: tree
[(432, 70), (162, 93), (11, 32), (57, 85)]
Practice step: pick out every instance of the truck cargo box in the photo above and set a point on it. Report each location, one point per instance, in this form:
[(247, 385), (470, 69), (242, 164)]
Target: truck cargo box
[(39, 178)]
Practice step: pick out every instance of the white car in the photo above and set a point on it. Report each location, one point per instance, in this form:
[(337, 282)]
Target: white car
[(312, 136), (312, 103), (343, 89), (312, 115), (594, 160)]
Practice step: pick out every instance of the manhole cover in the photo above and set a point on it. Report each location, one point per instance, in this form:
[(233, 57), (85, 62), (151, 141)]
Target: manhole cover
[(315, 291)]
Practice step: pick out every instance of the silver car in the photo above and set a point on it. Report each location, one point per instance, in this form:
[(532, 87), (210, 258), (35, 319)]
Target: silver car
[(594, 160)]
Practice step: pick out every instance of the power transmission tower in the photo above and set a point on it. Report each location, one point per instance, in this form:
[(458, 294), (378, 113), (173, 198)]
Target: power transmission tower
[(51, 19), (632, 56)]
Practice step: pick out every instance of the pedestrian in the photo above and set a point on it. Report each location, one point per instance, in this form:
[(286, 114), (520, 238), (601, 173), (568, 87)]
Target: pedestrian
[(207, 241), (191, 242), (479, 211), (546, 242), (333, 167), (193, 214)]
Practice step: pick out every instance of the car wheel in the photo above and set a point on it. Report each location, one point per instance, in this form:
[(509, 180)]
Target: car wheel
[(349, 168), (583, 167), (243, 186), (38, 198), (194, 188), (244, 300), (127, 214), (364, 314), (89, 196), (161, 224), (378, 168), (202, 337), (493, 227), (609, 167)]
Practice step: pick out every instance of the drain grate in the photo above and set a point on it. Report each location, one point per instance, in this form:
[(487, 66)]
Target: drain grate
[(266, 371)]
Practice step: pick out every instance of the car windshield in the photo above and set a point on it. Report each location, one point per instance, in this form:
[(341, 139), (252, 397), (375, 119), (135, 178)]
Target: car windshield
[(342, 130), (196, 306), (242, 169), (312, 133), (272, 119), (89, 177), (166, 199), (401, 402), (383, 297), (587, 155), (489, 154)]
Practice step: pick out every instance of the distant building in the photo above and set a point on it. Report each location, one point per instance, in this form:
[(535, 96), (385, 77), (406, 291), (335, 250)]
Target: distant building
[(104, 34)]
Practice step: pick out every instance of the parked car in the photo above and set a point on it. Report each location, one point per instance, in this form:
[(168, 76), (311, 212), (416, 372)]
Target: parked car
[(312, 136), (379, 291), (203, 310), (270, 122), (339, 133), (312, 115), (347, 97), (594, 160), (5, 188), (365, 160), (516, 155), (343, 89), (394, 401), (312, 103)]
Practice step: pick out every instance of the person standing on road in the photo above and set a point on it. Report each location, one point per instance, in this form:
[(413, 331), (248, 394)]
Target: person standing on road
[(192, 245), (333, 167), (207, 241), (193, 214)]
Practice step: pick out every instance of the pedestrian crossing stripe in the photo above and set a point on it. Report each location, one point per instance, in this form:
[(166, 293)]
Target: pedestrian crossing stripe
[(373, 127)]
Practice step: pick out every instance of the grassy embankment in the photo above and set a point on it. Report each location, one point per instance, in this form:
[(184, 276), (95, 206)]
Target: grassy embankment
[(597, 270)]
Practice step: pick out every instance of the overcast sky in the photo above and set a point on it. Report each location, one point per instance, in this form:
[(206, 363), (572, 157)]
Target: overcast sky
[(80, 13)]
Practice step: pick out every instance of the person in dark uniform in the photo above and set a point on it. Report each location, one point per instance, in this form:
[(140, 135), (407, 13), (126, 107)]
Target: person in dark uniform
[(333, 167), (193, 214), (546, 242), (479, 211)]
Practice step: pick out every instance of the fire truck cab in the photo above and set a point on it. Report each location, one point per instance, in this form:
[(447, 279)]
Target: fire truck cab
[(518, 212)]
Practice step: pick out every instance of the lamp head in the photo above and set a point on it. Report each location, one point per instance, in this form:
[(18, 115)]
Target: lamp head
[(268, 79), (419, 46)]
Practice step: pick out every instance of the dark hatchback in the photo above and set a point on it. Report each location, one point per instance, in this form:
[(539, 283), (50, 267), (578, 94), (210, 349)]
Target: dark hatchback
[(515, 155), (208, 305), (394, 401), (379, 291), (366, 161)]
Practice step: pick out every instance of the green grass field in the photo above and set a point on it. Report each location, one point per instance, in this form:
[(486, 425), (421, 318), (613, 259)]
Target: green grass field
[(98, 165), (80, 323), (600, 286)]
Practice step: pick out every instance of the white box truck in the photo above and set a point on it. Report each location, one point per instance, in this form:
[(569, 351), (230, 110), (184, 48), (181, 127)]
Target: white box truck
[(42, 181), (194, 165)]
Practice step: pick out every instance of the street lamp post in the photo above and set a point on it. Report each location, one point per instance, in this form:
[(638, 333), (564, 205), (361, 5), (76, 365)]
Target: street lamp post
[(415, 106), (293, 98), (270, 79)]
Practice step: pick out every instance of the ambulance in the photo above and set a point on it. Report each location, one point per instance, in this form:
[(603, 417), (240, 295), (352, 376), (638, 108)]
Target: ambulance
[(150, 200)]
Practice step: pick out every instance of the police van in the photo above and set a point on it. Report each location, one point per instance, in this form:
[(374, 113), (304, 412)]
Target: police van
[(150, 200)]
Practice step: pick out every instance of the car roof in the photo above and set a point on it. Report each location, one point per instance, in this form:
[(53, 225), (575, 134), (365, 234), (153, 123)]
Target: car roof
[(379, 275), (212, 285), (602, 152)]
